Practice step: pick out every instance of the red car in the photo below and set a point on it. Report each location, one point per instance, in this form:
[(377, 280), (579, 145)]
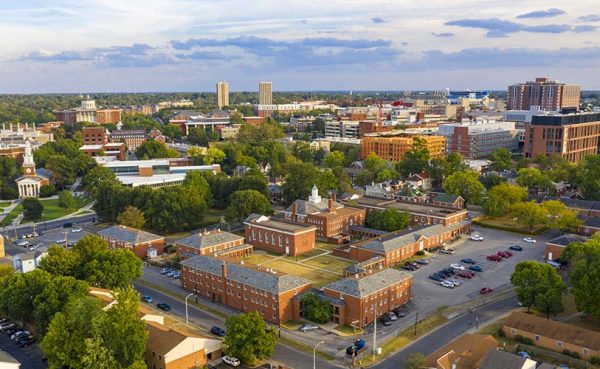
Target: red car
[(485, 290), (466, 274), (495, 258), (502, 254)]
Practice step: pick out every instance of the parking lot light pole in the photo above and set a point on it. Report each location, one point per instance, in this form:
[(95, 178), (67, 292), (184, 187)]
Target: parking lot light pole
[(315, 354), (187, 321)]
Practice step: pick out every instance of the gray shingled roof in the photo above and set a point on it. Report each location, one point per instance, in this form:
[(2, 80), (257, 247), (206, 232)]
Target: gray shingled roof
[(360, 267), (495, 359), (129, 235), (444, 197), (589, 221), (261, 279), (200, 241), (274, 223), (365, 286), (567, 239)]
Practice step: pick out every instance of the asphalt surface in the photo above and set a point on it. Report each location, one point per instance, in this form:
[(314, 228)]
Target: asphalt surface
[(30, 357), (50, 225)]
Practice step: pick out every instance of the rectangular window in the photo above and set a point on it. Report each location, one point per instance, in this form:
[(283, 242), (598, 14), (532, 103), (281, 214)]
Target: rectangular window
[(559, 344), (586, 352), (513, 331), (537, 338)]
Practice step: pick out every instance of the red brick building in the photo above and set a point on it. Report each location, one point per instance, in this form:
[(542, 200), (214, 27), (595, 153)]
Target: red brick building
[(278, 236), (94, 135), (96, 144), (544, 94), (332, 219), (556, 246), (214, 243), (243, 287), (133, 138), (133, 239), (364, 299)]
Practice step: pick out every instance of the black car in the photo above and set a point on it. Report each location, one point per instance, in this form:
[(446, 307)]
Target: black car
[(27, 342), (385, 320), (468, 261), (163, 306), (409, 267), (476, 268), (22, 338), (217, 331), (449, 271), (398, 313), (436, 277), (516, 248)]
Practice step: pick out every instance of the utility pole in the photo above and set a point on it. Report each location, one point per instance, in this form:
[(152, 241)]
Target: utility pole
[(66, 234), (416, 321)]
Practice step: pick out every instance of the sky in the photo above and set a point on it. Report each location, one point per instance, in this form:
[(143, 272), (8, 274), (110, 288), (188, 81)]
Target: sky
[(80, 46)]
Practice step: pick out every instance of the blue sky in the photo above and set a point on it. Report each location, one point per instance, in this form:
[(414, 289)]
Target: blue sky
[(187, 45)]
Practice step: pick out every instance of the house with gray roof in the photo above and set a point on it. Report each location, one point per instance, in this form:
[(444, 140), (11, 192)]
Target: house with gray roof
[(244, 287), (556, 246), (213, 243), (133, 239)]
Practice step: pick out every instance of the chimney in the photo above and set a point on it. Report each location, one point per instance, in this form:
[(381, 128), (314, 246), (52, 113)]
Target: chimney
[(333, 197), (330, 205), (294, 208), (224, 270)]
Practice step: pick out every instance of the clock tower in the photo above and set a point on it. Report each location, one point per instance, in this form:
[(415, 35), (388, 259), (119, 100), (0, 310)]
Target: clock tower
[(28, 163)]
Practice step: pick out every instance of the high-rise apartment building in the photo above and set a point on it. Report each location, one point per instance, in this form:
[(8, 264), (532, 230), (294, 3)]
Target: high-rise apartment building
[(543, 94), (572, 136), (222, 94), (265, 93), (476, 140)]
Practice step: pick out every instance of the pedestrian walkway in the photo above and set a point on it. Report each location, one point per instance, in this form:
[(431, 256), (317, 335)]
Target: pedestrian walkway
[(9, 208)]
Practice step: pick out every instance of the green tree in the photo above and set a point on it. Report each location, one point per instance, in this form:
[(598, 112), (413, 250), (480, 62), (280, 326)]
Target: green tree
[(113, 269), (532, 178), (199, 136), (388, 220), (214, 156), (132, 217), (47, 190), (415, 360), (246, 202), (32, 208), (248, 337), (97, 176), (500, 159), (63, 170), (16, 299), (154, 150), (560, 217), (590, 177), (172, 131), (415, 160), (584, 260), (299, 181), (440, 168), (197, 181), (334, 159), (491, 180), (66, 200), (56, 294), (529, 214), (315, 309), (538, 286), (60, 261), (465, 184), (502, 197), (6, 272)]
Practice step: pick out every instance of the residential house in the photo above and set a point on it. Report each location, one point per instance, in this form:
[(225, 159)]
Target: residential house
[(496, 359), (243, 286), (420, 180), (553, 335), (590, 225), (556, 246), (447, 201), (264, 167), (214, 243), (279, 236), (137, 241), (411, 193), (464, 352), (28, 261), (379, 190)]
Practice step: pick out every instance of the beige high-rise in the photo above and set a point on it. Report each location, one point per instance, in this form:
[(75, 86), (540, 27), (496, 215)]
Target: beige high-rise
[(222, 94), (265, 93)]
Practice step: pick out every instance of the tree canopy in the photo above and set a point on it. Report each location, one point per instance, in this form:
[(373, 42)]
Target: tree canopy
[(388, 220), (584, 275), (248, 337), (466, 184), (315, 309), (246, 202)]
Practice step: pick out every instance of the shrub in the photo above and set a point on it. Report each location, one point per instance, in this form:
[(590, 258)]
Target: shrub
[(421, 252), (566, 352), (519, 338), (527, 341), (574, 355), (595, 360), (501, 332)]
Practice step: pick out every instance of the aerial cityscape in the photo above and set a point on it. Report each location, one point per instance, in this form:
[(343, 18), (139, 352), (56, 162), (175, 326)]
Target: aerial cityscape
[(349, 184)]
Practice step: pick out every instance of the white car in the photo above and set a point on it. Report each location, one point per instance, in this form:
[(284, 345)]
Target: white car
[(231, 361), (447, 284), (476, 237), (16, 335), (454, 282), (529, 240), (76, 230), (5, 326), (62, 240), (457, 266)]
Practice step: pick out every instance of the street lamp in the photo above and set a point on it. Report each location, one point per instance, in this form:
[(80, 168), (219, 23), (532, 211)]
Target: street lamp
[(186, 308), (315, 354)]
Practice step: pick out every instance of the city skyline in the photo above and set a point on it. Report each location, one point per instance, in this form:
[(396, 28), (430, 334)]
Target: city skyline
[(182, 45)]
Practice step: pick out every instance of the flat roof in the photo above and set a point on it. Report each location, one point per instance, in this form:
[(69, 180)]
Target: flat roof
[(155, 179), (91, 147)]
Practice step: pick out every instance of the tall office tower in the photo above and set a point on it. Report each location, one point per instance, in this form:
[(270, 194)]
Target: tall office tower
[(222, 94), (265, 93), (543, 93)]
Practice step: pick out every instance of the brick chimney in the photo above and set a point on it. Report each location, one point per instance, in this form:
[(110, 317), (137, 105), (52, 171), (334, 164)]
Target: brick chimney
[(294, 208), (330, 206), (333, 197), (224, 270)]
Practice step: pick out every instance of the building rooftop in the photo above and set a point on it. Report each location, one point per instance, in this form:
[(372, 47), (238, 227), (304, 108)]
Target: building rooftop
[(129, 235), (408, 207), (360, 287), (311, 207), (5, 357), (250, 275), (496, 359), (465, 351), (552, 329), (202, 240), (273, 223), (567, 239)]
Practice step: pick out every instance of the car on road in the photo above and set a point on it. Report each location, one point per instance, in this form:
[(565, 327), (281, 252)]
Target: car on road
[(524, 355), (22, 243), (447, 284), (218, 331), (231, 361), (163, 306), (148, 299), (399, 313), (447, 251), (496, 258), (6, 326), (385, 320), (356, 348), (468, 261), (476, 268), (529, 240), (457, 266), (62, 240), (476, 237), (465, 274), (392, 316), (76, 229), (485, 290), (422, 261), (165, 270), (308, 327), (516, 248)]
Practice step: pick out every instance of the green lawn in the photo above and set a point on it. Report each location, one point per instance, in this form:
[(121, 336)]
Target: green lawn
[(326, 246), (12, 215), (4, 204), (330, 263), (212, 216), (316, 276), (51, 210), (507, 223)]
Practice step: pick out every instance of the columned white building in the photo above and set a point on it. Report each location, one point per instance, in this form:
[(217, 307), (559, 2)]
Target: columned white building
[(29, 184)]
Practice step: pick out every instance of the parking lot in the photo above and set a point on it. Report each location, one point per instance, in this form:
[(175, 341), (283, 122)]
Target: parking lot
[(429, 294), (45, 240), (30, 357)]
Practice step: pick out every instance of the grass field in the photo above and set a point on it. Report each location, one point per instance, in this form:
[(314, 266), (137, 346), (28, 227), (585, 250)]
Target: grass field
[(316, 276), (507, 222), (326, 246), (51, 210), (330, 263), (4, 204)]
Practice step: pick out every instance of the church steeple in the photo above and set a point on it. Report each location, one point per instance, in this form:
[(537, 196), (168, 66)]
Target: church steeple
[(28, 163)]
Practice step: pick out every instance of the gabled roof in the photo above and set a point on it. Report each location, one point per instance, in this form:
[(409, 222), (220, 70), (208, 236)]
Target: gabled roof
[(444, 197), (129, 234), (555, 330), (309, 207), (566, 239), (466, 351), (496, 359), (201, 240), (589, 221), (418, 176), (391, 242), (277, 224), (161, 340), (360, 287)]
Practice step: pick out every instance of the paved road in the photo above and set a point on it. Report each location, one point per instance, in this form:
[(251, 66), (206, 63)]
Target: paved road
[(453, 329), (51, 224)]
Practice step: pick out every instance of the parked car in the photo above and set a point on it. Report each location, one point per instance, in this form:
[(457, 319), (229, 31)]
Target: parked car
[(356, 348), (308, 327), (217, 331), (5, 326), (422, 261), (485, 290), (412, 263), (447, 251), (231, 361), (456, 282), (465, 274), (22, 338), (176, 275), (476, 268), (409, 267), (76, 230), (22, 243), (524, 355), (468, 261), (516, 248), (27, 342), (457, 266), (476, 237), (529, 240), (148, 299), (447, 284), (165, 270), (171, 273), (385, 320), (494, 258), (399, 313), (392, 316), (449, 271), (60, 240), (504, 254), (18, 333), (163, 306), (436, 277)]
